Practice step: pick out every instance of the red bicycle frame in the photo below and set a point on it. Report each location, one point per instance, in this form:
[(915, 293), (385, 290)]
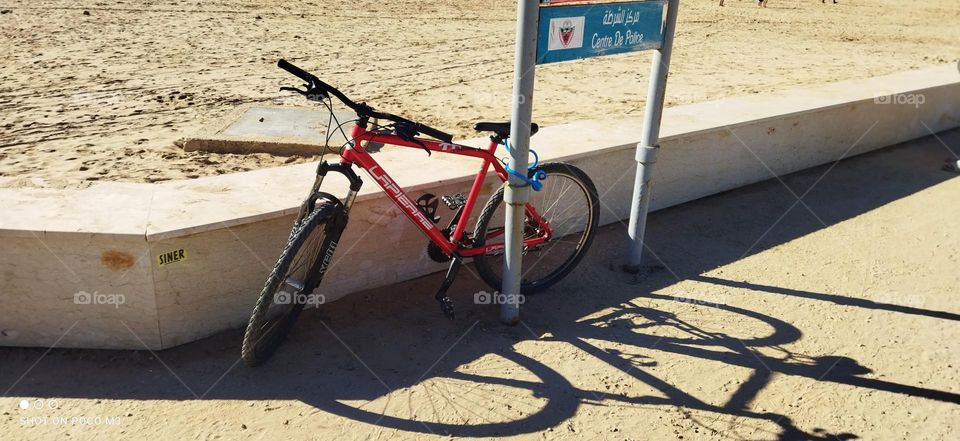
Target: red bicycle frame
[(354, 153)]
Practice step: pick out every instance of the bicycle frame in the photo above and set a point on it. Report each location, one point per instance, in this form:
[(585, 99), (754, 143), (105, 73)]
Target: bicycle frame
[(354, 153)]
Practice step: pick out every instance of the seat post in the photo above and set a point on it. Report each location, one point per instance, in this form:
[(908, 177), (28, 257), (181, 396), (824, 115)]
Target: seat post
[(495, 142)]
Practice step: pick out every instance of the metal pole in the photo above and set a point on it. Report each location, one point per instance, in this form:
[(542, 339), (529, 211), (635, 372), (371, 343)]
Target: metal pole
[(515, 195), (648, 147)]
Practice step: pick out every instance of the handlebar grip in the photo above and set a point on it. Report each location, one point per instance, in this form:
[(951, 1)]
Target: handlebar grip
[(434, 133), (296, 71)]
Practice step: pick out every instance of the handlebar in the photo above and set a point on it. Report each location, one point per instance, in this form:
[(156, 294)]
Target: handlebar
[(296, 71), (316, 86)]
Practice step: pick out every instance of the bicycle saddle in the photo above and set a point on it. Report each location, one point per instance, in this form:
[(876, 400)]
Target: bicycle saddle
[(501, 129)]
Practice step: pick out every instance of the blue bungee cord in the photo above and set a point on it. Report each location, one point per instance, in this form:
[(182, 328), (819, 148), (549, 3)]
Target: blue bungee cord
[(538, 174)]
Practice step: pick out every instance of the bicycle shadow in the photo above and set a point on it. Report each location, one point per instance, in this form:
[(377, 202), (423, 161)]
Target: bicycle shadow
[(387, 358)]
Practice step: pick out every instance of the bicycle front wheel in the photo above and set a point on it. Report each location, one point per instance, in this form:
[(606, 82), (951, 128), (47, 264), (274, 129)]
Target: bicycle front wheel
[(568, 202), (292, 282)]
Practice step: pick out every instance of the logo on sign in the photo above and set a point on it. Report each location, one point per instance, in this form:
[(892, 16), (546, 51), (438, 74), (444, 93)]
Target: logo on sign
[(566, 33)]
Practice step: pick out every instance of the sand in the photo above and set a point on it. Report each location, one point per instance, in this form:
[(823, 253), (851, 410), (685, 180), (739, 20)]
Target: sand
[(836, 323), (103, 91)]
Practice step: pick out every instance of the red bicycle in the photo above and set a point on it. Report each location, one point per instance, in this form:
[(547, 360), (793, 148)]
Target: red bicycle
[(559, 224)]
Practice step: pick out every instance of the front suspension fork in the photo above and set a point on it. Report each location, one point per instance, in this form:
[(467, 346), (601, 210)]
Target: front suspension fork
[(322, 169)]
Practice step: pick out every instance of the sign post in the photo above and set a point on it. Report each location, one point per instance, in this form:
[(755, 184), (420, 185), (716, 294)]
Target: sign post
[(516, 194), (649, 143), (557, 33)]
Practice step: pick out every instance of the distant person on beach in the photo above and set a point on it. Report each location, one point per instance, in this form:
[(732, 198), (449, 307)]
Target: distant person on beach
[(763, 3)]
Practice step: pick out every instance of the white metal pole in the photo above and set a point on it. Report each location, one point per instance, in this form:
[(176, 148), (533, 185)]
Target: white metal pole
[(516, 194), (648, 147)]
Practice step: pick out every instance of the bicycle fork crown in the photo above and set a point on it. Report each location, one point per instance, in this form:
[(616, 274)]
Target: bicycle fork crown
[(346, 170)]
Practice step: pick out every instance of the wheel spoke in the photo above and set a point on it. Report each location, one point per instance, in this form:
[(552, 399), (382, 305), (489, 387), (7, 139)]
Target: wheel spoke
[(280, 302)]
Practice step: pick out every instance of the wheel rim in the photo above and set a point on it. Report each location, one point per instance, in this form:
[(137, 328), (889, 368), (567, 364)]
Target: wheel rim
[(565, 204), (289, 298)]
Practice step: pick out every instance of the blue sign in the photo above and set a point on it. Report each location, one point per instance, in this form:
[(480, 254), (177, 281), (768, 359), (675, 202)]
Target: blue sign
[(583, 31)]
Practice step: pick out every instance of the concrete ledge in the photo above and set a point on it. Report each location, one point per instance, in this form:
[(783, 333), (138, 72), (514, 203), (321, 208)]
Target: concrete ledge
[(263, 129), (107, 238)]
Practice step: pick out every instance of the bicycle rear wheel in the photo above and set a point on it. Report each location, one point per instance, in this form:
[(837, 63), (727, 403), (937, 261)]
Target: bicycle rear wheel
[(568, 202), (290, 286)]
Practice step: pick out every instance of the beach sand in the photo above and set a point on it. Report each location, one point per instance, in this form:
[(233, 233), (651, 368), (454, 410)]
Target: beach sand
[(104, 91)]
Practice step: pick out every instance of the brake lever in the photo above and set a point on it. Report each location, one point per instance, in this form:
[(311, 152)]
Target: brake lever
[(293, 89), (406, 132), (312, 94), (422, 145)]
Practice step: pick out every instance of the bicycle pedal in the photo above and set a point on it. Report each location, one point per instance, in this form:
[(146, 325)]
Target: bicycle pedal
[(454, 201), (446, 305)]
